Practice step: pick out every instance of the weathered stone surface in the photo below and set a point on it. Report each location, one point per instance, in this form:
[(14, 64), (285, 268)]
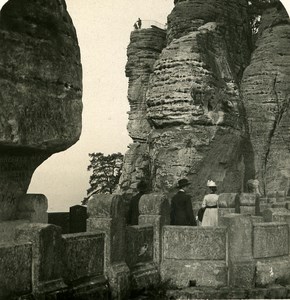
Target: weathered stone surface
[(241, 274), (194, 243), (8, 230), (270, 271), (248, 210), (105, 206), (204, 273), (33, 207), (145, 276), (154, 204), (15, 270), (270, 212), (240, 230), (265, 87), (192, 102), (270, 240), (83, 255), (46, 254), (139, 245), (143, 50), (40, 92), (223, 212), (228, 200)]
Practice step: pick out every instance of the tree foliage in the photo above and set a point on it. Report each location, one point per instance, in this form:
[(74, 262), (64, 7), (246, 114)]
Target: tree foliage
[(106, 172)]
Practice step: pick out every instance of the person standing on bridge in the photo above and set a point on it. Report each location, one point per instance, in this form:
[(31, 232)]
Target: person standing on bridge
[(181, 206), (210, 204)]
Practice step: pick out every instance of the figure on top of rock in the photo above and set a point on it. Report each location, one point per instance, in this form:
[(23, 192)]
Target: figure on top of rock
[(139, 23), (210, 202), (142, 188), (181, 206)]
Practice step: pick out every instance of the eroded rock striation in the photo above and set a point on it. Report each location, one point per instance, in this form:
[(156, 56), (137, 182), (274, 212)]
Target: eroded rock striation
[(40, 91), (216, 103), (266, 95)]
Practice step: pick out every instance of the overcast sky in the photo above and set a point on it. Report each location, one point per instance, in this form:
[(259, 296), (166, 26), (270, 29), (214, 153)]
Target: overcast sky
[(103, 29)]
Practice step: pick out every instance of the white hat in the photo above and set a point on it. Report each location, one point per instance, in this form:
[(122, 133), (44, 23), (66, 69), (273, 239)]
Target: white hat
[(210, 183)]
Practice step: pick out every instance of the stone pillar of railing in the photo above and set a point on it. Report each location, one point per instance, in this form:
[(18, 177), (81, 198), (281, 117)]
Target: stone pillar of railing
[(46, 257), (249, 203), (241, 264), (227, 203), (154, 209), (107, 214), (33, 207)]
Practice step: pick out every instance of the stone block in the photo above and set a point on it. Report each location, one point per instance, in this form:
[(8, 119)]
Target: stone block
[(287, 205), (196, 243), (223, 212), (105, 206), (119, 280), (60, 219), (33, 207), (268, 213), (228, 200), (144, 276), (77, 219), (154, 204), (270, 240), (204, 273), (279, 205), (46, 255), (274, 270), (247, 199), (95, 288), (157, 222), (240, 231), (15, 270), (280, 196), (8, 230), (248, 210), (241, 274), (263, 207), (139, 244), (257, 219), (114, 240), (83, 255)]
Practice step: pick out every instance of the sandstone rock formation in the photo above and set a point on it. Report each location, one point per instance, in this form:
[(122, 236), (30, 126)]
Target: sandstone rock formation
[(40, 91), (202, 112), (266, 91)]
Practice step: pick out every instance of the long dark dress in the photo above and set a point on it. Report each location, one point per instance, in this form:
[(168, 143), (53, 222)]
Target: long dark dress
[(181, 210)]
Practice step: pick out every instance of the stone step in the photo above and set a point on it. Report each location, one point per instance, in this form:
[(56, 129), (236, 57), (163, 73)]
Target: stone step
[(271, 292)]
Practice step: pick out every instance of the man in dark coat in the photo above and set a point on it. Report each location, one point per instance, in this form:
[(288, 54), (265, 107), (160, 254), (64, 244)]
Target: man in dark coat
[(134, 203), (181, 207)]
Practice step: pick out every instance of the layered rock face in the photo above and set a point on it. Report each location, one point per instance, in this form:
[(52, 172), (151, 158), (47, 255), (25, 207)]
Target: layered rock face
[(144, 49), (207, 117), (40, 91), (266, 90)]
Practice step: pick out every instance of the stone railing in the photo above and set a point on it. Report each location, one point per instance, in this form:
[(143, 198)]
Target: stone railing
[(244, 250), (152, 23)]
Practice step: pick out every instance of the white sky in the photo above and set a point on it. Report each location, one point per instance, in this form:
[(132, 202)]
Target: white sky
[(103, 29)]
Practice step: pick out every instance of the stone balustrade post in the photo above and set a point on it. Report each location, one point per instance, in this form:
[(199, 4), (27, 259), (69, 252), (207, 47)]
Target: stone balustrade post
[(32, 207), (155, 210), (107, 214), (46, 256), (241, 265)]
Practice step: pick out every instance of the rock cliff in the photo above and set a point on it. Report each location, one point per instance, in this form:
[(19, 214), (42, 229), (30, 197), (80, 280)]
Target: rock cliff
[(40, 91), (209, 93), (266, 90)]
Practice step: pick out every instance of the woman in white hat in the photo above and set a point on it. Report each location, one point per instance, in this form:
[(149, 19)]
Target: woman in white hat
[(210, 217)]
